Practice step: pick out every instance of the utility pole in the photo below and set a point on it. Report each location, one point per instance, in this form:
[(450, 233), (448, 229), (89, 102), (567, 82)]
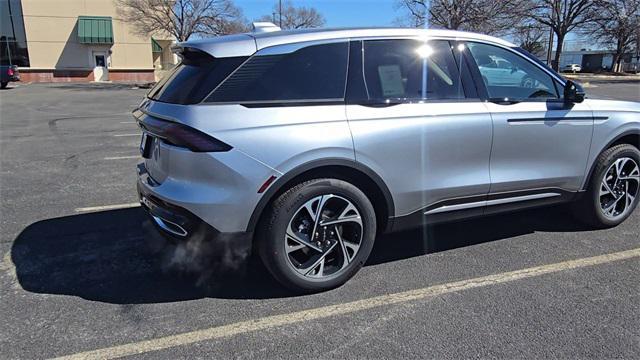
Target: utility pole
[(550, 48), (280, 12), (552, 33)]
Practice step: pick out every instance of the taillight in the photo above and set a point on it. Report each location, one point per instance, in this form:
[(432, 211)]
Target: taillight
[(182, 135), (10, 71)]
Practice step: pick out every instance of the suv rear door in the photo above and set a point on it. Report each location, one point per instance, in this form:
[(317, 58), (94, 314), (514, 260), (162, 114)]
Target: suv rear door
[(417, 121)]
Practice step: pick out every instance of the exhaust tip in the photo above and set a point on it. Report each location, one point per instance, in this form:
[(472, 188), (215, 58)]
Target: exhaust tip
[(170, 227)]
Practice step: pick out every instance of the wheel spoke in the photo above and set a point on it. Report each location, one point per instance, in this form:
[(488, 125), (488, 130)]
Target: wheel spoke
[(620, 163), (635, 178), (345, 217), (296, 247), (318, 263), (291, 234), (347, 258), (318, 215), (630, 199), (607, 189), (348, 219), (610, 209)]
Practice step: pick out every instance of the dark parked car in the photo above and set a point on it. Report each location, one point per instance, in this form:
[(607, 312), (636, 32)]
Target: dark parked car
[(8, 73)]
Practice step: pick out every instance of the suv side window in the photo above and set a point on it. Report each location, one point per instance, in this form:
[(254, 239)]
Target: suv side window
[(407, 70), (312, 73), (509, 75)]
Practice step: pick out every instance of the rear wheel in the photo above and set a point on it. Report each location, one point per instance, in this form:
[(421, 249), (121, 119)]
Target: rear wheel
[(317, 235), (613, 189), (3, 85)]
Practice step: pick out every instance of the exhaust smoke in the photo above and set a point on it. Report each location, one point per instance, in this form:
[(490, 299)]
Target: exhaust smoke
[(209, 257)]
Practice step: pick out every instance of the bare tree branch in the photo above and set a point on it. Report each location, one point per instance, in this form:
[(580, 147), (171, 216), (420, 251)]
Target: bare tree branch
[(563, 16), (295, 17), (615, 23), (532, 37), (181, 19), (485, 16)]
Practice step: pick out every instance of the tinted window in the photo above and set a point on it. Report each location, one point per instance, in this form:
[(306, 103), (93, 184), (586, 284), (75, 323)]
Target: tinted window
[(411, 70), (13, 42), (509, 75), (312, 73), (194, 78)]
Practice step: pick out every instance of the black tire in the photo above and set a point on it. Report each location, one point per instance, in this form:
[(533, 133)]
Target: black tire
[(3, 85), (272, 230), (588, 209)]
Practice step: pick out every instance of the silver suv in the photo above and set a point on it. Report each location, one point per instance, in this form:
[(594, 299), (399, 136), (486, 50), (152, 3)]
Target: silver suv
[(307, 144)]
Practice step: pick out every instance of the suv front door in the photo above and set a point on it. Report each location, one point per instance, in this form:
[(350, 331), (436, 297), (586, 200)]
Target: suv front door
[(540, 143), (415, 123)]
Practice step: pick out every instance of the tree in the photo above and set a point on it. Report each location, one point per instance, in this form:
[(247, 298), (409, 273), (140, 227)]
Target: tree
[(531, 37), (181, 19), (562, 16), (293, 17), (616, 22), (485, 16)]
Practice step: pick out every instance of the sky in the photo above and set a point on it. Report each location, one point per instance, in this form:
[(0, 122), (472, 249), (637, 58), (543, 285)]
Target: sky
[(345, 13), (338, 13)]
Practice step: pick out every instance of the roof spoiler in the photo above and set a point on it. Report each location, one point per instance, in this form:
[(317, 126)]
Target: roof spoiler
[(260, 27), (220, 46)]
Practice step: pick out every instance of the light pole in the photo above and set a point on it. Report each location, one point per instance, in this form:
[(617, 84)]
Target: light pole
[(280, 12), (552, 33), (638, 38)]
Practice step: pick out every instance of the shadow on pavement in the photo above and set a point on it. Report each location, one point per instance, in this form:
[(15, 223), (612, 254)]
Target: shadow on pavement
[(114, 257)]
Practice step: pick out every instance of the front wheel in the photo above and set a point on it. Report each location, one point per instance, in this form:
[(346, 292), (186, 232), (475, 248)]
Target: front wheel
[(3, 85), (613, 189), (317, 235)]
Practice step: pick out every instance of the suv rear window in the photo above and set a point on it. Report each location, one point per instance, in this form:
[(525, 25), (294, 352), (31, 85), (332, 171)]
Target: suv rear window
[(194, 78), (316, 72)]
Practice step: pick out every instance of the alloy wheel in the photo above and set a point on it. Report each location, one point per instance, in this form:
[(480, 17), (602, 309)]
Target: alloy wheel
[(619, 188), (323, 236)]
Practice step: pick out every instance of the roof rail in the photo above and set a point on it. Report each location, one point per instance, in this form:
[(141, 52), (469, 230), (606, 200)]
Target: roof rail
[(259, 27)]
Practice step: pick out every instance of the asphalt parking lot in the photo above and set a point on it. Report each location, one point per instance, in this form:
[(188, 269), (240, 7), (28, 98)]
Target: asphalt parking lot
[(81, 276)]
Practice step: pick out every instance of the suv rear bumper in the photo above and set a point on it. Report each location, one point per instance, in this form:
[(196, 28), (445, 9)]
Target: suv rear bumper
[(178, 224)]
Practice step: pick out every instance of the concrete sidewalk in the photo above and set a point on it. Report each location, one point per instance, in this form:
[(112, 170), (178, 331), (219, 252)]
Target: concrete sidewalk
[(604, 78)]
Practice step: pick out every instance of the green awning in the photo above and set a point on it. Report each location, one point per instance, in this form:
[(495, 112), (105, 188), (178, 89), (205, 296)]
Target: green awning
[(95, 30), (155, 47)]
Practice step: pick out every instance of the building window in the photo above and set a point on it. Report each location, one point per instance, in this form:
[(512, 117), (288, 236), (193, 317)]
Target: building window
[(13, 41)]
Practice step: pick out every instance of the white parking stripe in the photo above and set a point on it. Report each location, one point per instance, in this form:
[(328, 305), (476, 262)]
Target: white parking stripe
[(122, 157), (343, 309), (127, 122), (123, 135), (107, 207)]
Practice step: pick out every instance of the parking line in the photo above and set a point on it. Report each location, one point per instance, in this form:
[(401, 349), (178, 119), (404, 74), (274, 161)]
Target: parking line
[(269, 322), (122, 157), (123, 135), (106, 207), (127, 122)]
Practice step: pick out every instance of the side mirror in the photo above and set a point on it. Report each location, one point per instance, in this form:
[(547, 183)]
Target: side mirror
[(573, 92)]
